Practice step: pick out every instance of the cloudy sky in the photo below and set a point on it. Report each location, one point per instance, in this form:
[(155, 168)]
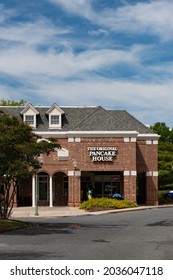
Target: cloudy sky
[(113, 53)]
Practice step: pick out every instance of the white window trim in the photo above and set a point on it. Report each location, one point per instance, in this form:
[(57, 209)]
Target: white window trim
[(34, 116), (55, 125)]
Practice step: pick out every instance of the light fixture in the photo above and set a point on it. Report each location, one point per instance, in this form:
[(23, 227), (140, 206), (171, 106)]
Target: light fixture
[(74, 164)]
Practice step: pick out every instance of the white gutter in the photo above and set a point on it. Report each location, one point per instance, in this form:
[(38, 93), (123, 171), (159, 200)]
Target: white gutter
[(66, 134), (150, 136)]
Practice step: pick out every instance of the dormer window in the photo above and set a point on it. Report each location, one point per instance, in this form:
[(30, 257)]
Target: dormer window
[(29, 120), (29, 115), (55, 116)]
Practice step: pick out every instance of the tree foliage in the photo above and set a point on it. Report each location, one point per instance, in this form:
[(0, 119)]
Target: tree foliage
[(165, 153), (19, 157), (4, 102)]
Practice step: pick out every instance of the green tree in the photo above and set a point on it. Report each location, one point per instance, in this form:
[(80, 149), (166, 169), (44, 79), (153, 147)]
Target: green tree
[(19, 154), (4, 102), (165, 153)]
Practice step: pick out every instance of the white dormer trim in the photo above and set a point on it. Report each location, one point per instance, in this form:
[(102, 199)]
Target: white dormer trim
[(29, 112), (55, 116)]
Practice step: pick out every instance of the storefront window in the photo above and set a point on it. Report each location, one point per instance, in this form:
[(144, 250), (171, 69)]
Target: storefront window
[(106, 185)]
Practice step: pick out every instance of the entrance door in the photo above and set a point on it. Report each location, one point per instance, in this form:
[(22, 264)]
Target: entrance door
[(141, 188), (43, 184)]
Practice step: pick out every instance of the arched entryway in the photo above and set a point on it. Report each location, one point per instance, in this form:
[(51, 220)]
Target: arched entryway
[(60, 189)]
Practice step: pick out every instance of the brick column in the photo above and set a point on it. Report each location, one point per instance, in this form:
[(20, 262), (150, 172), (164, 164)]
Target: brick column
[(152, 188), (77, 188), (74, 195), (71, 188), (130, 185)]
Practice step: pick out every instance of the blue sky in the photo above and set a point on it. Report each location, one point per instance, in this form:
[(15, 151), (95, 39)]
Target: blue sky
[(113, 53)]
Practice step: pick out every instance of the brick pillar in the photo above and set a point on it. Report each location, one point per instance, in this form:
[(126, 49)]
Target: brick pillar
[(74, 189), (152, 188), (71, 188), (130, 185), (77, 188)]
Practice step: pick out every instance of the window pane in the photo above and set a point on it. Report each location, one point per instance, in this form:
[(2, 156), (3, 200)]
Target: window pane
[(29, 119), (43, 191), (54, 119)]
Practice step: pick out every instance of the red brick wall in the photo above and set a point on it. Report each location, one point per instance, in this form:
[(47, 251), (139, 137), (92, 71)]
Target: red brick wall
[(125, 159), (131, 156), (147, 159)]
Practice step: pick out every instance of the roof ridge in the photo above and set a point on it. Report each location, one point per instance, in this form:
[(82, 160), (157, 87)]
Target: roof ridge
[(86, 117)]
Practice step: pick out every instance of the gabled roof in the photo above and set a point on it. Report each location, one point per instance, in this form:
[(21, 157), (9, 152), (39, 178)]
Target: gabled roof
[(83, 119), (99, 119), (55, 107), (29, 107)]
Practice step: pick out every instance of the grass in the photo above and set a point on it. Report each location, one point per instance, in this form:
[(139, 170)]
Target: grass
[(106, 203), (6, 225)]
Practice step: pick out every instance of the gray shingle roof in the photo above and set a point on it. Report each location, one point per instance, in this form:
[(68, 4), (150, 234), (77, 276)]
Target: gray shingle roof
[(85, 119)]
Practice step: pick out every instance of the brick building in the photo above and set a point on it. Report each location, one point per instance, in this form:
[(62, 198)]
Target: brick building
[(107, 151)]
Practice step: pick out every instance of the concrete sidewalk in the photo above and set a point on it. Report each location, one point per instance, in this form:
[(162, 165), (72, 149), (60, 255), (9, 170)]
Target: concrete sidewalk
[(43, 211), (65, 211)]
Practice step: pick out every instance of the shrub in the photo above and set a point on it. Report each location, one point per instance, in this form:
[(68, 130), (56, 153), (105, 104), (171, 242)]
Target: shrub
[(106, 203), (168, 187), (164, 200)]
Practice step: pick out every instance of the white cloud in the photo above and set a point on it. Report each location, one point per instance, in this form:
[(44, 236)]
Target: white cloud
[(22, 61), (39, 32), (153, 17), (5, 14), (80, 7), (147, 102), (69, 78)]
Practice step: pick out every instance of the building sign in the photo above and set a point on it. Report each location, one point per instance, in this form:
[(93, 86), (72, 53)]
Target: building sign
[(102, 153)]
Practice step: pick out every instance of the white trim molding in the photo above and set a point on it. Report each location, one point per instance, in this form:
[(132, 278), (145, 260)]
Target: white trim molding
[(77, 173), (70, 173), (126, 173), (133, 173), (155, 173), (148, 136), (149, 173), (88, 134), (126, 140)]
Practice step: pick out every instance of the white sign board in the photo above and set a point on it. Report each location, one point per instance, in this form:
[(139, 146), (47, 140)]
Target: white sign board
[(102, 153)]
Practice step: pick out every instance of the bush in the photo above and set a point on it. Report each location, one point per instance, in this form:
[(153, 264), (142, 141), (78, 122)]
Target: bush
[(164, 200), (106, 203), (168, 187)]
